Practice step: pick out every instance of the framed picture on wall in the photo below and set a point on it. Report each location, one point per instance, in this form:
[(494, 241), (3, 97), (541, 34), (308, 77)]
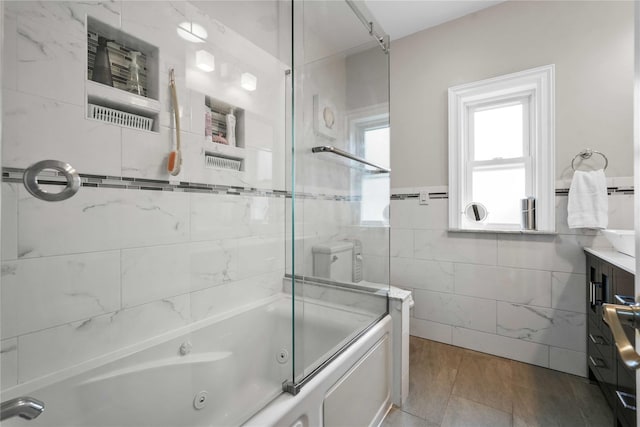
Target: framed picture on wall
[(325, 118)]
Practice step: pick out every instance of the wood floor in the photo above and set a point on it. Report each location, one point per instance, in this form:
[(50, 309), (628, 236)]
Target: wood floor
[(451, 386)]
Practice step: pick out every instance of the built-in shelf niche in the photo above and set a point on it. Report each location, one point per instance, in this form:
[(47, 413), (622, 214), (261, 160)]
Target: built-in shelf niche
[(121, 107), (219, 111)]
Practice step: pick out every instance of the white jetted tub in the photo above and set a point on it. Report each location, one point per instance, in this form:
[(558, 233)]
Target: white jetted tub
[(217, 372)]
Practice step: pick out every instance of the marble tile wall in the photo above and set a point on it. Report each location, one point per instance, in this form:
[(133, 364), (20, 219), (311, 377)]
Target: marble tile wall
[(516, 296), (112, 267)]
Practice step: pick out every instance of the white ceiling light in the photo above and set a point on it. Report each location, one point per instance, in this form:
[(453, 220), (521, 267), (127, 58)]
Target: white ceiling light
[(205, 61), (248, 81), (192, 32)]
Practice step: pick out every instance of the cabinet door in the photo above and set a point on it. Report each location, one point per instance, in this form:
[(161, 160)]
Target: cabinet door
[(599, 275)]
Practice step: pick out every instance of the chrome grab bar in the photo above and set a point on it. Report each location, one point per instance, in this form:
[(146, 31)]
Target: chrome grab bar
[(30, 180), (339, 152), (23, 407), (614, 315)]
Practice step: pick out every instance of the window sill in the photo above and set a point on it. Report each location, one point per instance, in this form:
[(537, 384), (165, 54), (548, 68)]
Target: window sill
[(491, 231)]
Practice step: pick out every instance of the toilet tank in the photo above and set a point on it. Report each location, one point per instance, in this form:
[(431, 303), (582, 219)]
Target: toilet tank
[(333, 260)]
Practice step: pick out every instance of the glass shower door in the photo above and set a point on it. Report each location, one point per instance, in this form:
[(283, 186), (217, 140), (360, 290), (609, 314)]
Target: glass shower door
[(146, 298), (340, 236)]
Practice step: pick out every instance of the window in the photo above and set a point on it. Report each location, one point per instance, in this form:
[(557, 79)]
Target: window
[(375, 187), (369, 136), (501, 147)]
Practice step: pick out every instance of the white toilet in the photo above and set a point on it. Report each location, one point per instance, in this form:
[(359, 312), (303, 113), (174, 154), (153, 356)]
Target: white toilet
[(333, 260)]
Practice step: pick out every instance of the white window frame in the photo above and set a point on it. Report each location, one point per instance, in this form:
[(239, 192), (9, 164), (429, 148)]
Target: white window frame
[(535, 88), (358, 122)]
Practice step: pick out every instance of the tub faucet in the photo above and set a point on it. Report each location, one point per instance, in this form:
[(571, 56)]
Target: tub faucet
[(24, 407)]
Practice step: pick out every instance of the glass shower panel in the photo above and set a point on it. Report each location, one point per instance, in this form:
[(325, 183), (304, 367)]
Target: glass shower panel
[(146, 287), (340, 235)]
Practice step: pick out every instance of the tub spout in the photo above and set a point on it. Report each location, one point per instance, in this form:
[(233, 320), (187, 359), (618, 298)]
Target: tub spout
[(24, 407)]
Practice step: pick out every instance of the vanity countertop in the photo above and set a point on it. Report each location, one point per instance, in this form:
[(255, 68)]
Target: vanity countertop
[(616, 258)]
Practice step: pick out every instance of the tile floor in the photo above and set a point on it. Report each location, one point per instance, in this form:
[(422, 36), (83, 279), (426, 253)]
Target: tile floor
[(452, 386)]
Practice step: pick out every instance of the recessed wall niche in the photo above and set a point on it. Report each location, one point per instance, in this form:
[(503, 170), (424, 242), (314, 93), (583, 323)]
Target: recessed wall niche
[(112, 99)]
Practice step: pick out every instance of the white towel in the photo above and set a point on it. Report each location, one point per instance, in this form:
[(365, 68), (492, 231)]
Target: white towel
[(588, 205)]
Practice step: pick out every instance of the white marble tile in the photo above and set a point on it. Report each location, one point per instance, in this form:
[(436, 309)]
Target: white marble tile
[(558, 328), (258, 255), (51, 51), (229, 296), (266, 216), (375, 269), (213, 263), (421, 274), (153, 218), (219, 217), (572, 362), (553, 253), (145, 154), (568, 291), (101, 219), (401, 242), (442, 245), (431, 330), (531, 287), (523, 351), (9, 221), (37, 128), (10, 48), (375, 240), (53, 349), (455, 310), (45, 292), (154, 273), (409, 213), (9, 362), (621, 212)]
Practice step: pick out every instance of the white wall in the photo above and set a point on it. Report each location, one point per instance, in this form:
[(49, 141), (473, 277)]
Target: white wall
[(517, 296), (591, 43)]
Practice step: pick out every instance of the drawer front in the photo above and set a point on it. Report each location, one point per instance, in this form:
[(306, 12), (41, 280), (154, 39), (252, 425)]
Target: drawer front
[(625, 395), (602, 365)]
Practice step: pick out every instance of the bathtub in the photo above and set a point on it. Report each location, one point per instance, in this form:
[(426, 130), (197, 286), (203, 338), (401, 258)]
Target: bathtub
[(185, 378)]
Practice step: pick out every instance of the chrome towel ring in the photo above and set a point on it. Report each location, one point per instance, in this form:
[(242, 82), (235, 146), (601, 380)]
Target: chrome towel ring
[(30, 180), (586, 154)]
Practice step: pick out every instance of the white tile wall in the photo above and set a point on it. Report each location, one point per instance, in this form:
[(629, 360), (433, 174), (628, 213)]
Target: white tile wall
[(443, 245), (455, 310), (9, 221), (516, 296), (573, 362), (111, 267), (536, 354), (565, 329), (9, 362), (67, 345), (421, 274), (531, 287), (40, 293), (154, 273)]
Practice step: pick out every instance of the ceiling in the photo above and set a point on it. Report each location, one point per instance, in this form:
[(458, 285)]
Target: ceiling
[(399, 18)]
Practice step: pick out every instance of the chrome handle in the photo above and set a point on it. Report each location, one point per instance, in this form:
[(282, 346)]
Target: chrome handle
[(622, 397), (613, 314), (597, 339), (23, 407), (625, 300), (598, 363), (30, 180)]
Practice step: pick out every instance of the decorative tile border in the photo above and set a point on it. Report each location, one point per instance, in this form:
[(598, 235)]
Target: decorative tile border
[(14, 175), (559, 192)]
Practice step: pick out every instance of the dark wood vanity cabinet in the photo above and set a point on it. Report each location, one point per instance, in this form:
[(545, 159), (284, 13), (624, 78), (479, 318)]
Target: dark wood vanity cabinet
[(607, 283)]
